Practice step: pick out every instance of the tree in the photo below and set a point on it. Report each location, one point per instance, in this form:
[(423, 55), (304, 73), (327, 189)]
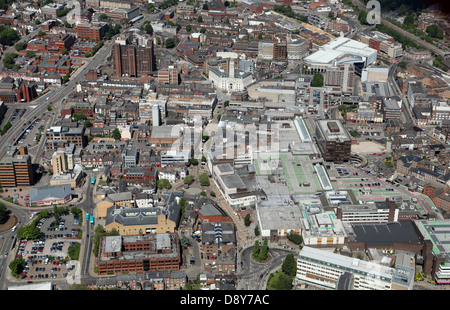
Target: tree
[(148, 28), (317, 80), (163, 183), (193, 161), (189, 179), (5, 128), (66, 78), (188, 28), (435, 32), (79, 116), (256, 230), (87, 123), (255, 252), (264, 253), (169, 43), (289, 266), (184, 241), (294, 237), (20, 46), (9, 60), (116, 134), (402, 64), (362, 18), (41, 33), (247, 220), (4, 214), (200, 19), (203, 30), (29, 232), (30, 54), (204, 179), (183, 204), (17, 266), (409, 20), (280, 281)]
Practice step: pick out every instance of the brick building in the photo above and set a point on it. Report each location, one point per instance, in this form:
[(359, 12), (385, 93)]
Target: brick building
[(94, 31), (133, 60), (138, 254)]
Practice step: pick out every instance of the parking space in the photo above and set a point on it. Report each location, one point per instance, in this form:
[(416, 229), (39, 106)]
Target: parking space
[(32, 134), (47, 258), (67, 227)]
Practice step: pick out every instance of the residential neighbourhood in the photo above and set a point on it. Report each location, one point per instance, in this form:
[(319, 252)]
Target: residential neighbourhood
[(243, 145)]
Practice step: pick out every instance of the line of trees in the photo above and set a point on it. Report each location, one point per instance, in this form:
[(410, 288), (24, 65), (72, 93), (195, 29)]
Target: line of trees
[(167, 4), (286, 10), (261, 254)]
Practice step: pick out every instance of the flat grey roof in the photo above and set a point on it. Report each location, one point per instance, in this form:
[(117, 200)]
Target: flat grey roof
[(386, 233)]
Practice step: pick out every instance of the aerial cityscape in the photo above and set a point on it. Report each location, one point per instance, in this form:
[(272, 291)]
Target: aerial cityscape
[(237, 145)]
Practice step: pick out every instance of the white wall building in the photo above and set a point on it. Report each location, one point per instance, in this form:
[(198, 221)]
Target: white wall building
[(333, 271), (235, 80)]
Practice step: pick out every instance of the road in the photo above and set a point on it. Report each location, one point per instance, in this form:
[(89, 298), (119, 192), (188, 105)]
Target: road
[(405, 33), (395, 90), (55, 97)]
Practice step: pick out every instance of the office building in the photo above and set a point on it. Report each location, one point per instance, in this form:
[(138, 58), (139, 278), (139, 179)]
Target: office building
[(333, 140), (94, 31), (338, 272), (379, 212), (62, 136), (391, 109), (16, 168), (138, 254)]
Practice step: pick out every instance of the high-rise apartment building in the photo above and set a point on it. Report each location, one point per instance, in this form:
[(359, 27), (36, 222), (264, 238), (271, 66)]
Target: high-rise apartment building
[(342, 76), (133, 60)]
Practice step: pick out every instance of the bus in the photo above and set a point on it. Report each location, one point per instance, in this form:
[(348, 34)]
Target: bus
[(87, 215), (93, 181), (92, 220)]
